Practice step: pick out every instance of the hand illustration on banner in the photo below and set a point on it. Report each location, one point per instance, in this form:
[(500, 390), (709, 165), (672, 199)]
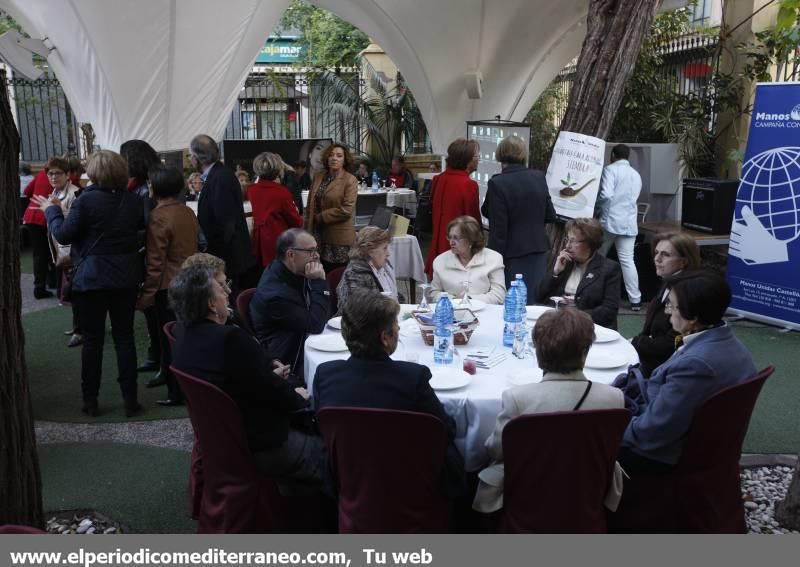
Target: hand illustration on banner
[(753, 243)]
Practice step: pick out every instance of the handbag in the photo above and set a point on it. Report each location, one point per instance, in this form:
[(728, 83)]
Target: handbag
[(633, 386), (60, 253)]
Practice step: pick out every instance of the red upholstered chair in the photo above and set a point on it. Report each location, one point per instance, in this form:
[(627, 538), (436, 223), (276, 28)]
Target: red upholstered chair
[(333, 278), (558, 468), (703, 493), (169, 332), (18, 529), (388, 465), (243, 309), (235, 497)]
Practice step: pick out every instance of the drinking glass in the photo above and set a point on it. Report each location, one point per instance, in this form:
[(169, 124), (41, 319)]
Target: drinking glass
[(423, 301), (465, 303)]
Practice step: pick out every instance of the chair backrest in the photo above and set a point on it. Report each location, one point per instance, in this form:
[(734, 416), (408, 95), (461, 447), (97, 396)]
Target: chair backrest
[(718, 428), (19, 529), (234, 492), (243, 309), (382, 217), (366, 203), (388, 466), (169, 332), (558, 468), (333, 278), (642, 209)]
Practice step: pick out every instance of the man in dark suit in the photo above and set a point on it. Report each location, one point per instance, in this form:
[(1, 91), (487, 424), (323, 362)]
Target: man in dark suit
[(518, 205), (370, 379), (221, 214)]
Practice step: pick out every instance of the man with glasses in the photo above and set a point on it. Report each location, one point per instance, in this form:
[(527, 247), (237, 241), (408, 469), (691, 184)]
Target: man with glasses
[(292, 299)]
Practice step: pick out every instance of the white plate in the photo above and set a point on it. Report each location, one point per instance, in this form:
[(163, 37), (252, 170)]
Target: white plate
[(327, 343), (474, 303), (605, 335), (449, 378), (335, 323), (536, 311), (526, 376), (602, 359)]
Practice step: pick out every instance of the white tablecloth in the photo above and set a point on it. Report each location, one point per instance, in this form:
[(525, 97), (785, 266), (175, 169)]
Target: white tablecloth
[(406, 257), (475, 407), (246, 205), (398, 198)]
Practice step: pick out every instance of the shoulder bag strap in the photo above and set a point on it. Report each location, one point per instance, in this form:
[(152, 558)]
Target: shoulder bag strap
[(583, 397)]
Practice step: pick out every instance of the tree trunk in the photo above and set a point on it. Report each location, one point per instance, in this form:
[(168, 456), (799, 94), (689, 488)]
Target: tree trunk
[(615, 30), (20, 479), (787, 512)]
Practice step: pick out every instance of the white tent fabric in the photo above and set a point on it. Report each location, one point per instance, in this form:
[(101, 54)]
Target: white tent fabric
[(165, 70)]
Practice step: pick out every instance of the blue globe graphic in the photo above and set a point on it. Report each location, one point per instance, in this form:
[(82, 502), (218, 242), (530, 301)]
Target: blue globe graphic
[(770, 186), (795, 112)]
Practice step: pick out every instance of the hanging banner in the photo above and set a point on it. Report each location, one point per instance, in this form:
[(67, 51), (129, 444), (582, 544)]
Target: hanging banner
[(764, 253), (573, 175)]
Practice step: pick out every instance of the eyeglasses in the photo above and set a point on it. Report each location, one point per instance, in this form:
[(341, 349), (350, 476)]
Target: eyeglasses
[(668, 307), (55, 173), (312, 251), (456, 238), (568, 241), (227, 286)]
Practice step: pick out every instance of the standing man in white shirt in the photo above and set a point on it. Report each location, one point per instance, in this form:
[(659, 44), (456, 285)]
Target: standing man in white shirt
[(617, 211)]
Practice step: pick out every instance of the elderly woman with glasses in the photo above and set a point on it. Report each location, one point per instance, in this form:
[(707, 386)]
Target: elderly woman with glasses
[(453, 194), (582, 277), (674, 253), (369, 266), (229, 358), (469, 267)]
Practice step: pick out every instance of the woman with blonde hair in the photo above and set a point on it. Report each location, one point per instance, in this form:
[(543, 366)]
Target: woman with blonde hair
[(468, 260), (274, 210), (331, 202), (369, 266)]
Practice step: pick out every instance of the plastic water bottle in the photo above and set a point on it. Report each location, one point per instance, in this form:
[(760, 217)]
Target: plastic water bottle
[(523, 292), (374, 181), (443, 335), (511, 315)]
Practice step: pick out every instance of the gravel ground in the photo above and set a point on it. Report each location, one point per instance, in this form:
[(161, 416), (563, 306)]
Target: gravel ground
[(762, 488), (170, 433)]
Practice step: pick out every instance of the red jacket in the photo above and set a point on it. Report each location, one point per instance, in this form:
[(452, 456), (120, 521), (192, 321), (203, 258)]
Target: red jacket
[(273, 212), (453, 194), (40, 185)]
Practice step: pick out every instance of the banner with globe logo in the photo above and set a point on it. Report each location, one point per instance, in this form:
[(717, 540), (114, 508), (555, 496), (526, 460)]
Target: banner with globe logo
[(764, 252)]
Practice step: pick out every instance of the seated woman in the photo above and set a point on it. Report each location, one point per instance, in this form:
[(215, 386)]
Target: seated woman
[(468, 260), (711, 358), (229, 358), (583, 277), (369, 266), (674, 252), (562, 339)]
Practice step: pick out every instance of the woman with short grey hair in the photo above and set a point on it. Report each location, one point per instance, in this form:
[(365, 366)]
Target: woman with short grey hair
[(274, 209), (369, 266), (229, 358)]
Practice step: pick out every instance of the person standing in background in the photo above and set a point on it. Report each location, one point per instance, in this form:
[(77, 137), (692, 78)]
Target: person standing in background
[(518, 205), (616, 207)]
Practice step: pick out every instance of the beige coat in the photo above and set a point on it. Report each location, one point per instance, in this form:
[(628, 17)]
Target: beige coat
[(338, 208), (556, 392), (484, 272)]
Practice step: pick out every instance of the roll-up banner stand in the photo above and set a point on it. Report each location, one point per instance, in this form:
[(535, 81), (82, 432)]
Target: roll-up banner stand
[(764, 253)]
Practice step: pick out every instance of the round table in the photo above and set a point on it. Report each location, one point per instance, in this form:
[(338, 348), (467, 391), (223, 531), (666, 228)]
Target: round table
[(476, 406)]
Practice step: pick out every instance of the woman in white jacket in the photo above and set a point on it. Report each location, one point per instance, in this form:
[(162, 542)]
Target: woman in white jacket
[(468, 260)]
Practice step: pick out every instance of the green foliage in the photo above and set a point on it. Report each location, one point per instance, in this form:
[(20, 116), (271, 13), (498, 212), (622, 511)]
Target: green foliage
[(8, 23), (329, 41), (544, 117)]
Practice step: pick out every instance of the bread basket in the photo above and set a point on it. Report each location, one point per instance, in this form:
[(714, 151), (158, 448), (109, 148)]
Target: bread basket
[(465, 325)]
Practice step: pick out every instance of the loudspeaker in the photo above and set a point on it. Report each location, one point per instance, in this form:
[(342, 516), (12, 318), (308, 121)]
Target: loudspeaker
[(472, 84), (708, 204)]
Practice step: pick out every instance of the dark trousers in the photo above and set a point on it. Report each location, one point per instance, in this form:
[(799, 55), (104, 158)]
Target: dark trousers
[(164, 315), (153, 332), (93, 306), (634, 463), (532, 267), (41, 255)]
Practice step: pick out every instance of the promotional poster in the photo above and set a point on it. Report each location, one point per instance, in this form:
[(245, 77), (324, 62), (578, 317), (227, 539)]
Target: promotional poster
[(764, 252), (573, 176)]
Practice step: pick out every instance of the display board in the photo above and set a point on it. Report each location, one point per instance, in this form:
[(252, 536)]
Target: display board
[(573, 175), (489, 133), (241, 152)]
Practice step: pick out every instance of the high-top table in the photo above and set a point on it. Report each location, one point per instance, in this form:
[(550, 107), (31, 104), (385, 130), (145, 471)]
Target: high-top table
[(476, 406)]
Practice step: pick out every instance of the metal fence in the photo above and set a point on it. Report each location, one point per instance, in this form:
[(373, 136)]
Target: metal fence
[(45, 121)]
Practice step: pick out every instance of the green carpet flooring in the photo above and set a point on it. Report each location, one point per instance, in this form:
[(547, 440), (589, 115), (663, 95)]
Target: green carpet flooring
[(54, 372), (142, 488)]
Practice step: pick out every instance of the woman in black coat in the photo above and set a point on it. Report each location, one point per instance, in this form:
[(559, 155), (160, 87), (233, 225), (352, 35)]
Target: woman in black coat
[(102, 228)]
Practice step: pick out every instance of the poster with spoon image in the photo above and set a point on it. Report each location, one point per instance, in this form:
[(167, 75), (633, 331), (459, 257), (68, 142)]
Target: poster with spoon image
[(573, 175)]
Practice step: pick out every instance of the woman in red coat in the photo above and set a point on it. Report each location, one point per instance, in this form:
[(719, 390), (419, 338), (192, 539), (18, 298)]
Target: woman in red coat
[(453, 194), (273, 206)]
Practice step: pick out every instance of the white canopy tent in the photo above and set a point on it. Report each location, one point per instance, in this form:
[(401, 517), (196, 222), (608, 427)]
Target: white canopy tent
[(165, 70)]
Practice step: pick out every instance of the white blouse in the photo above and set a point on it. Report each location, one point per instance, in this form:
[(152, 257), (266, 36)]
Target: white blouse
[(484, 272)]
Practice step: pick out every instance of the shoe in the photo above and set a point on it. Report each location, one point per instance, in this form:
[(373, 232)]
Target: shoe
[(148, 366), (636, 306), (89, 408), (156, 381), (133, 409), (69, 333), (42, 293), (76, 340), (170, 402)]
